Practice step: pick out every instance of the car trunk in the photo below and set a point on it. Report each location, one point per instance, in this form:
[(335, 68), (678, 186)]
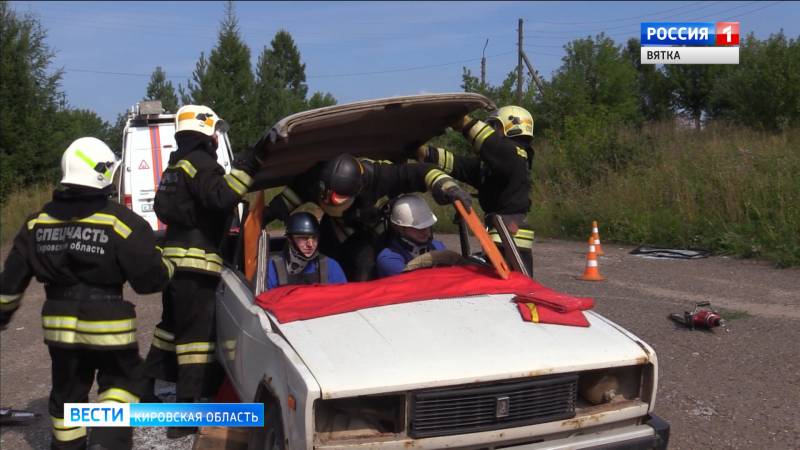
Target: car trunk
[(387, 129)]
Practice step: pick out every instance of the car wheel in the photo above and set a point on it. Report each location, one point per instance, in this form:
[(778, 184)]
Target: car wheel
[(271, 435)]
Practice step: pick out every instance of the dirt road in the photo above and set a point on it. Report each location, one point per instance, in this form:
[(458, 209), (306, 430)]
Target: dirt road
[(737, 387)]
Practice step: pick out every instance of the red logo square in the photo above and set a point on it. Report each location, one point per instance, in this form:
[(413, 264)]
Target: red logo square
[(727, 33)]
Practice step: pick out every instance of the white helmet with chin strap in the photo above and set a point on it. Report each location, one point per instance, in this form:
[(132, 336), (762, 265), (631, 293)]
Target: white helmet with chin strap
[(515, 120), (88, 162), (411, 211)]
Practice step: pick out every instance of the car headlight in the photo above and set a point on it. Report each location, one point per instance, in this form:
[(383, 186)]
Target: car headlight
[(611, 385), (359, 417)]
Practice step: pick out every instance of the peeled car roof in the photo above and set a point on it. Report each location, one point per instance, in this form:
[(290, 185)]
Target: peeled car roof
[(387, 128)]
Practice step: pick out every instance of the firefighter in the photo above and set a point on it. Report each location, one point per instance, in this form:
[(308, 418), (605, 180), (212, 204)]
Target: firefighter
[(351, 192), (500, 171), (301, 262), (412, 234), (195, 199), (83, 247)]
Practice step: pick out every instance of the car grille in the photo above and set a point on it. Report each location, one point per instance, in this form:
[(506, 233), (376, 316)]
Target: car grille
[(441, 412)]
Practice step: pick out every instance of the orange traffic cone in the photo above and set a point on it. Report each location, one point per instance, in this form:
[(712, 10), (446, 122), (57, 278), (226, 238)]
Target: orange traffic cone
[(596, 239), (591, 273)]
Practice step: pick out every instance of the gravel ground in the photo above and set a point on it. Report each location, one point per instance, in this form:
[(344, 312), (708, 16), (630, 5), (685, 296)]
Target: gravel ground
[(733, 388)]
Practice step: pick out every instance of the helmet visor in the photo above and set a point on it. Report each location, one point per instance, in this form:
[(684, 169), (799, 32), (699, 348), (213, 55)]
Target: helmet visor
[(221, 127), (105, 168)]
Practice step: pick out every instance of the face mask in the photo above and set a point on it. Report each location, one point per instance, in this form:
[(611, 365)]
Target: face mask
[(296, 262)]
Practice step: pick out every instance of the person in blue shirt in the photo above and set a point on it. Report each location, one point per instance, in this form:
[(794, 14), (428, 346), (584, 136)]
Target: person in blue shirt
[(300, 262), (411, 236)]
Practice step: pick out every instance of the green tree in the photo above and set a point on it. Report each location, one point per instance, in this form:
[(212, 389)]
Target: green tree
[(72, 124), (594, 76), (115, 133), (225, 82), (160, 88), (194, 93), (280, 80), (28, 100), (655, 94), (320, 99), (692, 86), (591, 102), (764, 91), (502, 94)]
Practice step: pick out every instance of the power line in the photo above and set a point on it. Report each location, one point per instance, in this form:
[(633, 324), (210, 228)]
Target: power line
[(538, 53), (721, 14), (128, 74), (757, 9), (335, 75), (406, 69), (430, 66), (566, 34), (632, 33), (622, 19)]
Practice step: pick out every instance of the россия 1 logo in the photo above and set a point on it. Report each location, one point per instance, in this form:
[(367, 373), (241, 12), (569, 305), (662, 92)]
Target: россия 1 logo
[(690, 42)]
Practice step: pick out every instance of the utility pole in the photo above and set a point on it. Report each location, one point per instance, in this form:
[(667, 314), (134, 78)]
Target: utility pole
[(519, 62), (483, 65), (534, 75)]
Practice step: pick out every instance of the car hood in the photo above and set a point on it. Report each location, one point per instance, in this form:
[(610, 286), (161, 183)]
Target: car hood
[(387, 129), (447, 342)]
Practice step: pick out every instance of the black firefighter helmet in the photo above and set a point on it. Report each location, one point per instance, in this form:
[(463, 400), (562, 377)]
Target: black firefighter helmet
[(340, 179), (302, 224)]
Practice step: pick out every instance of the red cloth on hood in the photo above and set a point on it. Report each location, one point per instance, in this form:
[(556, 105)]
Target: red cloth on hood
[(301, 302), (538, 313)]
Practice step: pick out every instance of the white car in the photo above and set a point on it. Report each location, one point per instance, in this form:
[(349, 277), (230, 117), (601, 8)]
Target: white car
[(461, 372)]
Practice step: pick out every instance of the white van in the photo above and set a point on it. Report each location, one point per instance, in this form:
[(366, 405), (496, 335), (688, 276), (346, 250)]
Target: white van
[(147, 142)]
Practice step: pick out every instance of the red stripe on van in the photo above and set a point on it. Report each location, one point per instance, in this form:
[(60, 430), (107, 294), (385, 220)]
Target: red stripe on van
[(155, 151)]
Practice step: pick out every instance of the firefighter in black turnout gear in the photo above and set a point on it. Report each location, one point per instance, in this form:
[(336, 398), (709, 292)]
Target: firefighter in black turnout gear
[(195, 199), (500, 172), (84, 247), (351, 192)]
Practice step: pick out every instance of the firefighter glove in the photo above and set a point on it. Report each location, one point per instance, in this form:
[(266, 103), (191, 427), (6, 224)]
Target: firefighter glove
[(249, 161), (447, 191), (427, 153), (461, 122)]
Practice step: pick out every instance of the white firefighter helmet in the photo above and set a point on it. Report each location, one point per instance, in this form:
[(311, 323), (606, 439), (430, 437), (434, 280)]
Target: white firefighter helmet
[(88, 162), (516, 121), (199, 118), (411, 211)]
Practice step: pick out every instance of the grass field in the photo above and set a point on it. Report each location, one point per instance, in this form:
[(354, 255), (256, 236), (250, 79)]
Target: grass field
[(19, 205), (724, 189)]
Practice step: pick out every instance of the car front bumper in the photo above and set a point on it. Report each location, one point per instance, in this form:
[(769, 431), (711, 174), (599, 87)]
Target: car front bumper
[(652, 434)]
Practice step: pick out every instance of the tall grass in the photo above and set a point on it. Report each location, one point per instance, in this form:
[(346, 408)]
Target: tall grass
[(726, 189), (18, 205)]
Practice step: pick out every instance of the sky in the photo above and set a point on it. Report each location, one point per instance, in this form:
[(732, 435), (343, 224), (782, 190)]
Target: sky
[(354, 50)]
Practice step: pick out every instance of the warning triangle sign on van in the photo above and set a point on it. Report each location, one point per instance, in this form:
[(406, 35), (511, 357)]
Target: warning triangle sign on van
[(143, 165)]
